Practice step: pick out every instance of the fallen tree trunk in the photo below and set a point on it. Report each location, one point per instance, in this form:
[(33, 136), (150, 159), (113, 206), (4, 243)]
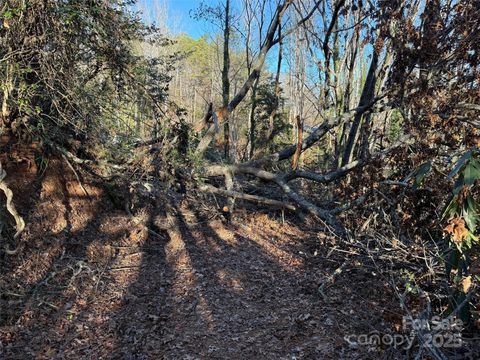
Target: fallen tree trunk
[(219, 170), (248, 197), (281, 180), (324, 178), (328, 217)]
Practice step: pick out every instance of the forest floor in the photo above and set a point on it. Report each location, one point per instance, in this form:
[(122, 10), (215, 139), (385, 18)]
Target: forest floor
[(92, 283)]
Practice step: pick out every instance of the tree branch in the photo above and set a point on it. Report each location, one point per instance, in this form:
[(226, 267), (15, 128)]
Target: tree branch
[(315, 135), (324, 178), (255, 73), (248, 197)]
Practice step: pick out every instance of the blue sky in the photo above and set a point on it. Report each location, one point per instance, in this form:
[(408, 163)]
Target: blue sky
[(178, 14)]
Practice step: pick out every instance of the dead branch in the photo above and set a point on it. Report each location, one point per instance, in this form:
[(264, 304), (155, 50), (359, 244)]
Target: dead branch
[(351, 204), (76, 175), (330, 280), (282, 179), (316, 135), (19, 222), (323, 214), (324, 178), (279, 179), (248, 197), (420, 333), (214, 128), (88, 163), (405, 185), (465, 301), (150, 142)]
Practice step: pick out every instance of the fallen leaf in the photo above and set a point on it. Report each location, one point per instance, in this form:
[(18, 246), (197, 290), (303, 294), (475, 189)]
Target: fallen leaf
[(466, 283), (457, 229)]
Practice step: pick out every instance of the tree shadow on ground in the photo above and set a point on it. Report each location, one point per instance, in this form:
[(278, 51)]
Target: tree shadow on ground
[(103, 286), (212, 293), (47, 288)]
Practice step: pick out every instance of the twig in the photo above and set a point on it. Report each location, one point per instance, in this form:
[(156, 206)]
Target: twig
[(331, 279), (463, 303), (76, 175), (436, 353)]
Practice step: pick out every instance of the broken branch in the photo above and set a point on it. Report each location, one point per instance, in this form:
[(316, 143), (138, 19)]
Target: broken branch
[(248, 197)]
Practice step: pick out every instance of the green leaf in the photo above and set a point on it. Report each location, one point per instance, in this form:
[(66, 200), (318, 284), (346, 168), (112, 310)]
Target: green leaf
[(471, 205), (470, 214), (422, 172), (7, 14), (471, 173), (452, 208), (460, 164)]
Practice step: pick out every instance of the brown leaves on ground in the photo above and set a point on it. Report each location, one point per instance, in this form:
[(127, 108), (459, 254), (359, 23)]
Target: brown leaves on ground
[(94, 284), (456, 228)]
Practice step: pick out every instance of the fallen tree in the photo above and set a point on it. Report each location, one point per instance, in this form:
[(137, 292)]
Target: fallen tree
[(248, 197), (283, 179), (256, 167)]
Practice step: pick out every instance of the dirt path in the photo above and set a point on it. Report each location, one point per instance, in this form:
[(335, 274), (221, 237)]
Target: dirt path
[(221, 292), (91, 284)]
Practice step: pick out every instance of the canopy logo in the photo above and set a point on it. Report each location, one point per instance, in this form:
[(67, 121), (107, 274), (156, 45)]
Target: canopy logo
[(434, 332)]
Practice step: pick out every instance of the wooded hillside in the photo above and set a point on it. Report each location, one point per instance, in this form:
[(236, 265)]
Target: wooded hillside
[(211, 196)]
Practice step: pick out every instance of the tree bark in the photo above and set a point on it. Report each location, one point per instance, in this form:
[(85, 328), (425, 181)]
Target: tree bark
[(252, 121), (367, 96), (271, 120), (298, 150), (317, 134), (225, 80), (248, 197)]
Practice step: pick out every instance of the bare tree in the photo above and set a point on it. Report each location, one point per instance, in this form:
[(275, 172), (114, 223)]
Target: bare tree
[(269, 41), (225, 78)]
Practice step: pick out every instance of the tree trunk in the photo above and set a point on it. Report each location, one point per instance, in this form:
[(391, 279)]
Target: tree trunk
[(368, 93), (225, 80), (271, 119), (258, 64), (252, 118)]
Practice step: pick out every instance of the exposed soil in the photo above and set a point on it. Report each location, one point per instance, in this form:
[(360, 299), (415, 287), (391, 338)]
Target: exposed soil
[(93, 283)]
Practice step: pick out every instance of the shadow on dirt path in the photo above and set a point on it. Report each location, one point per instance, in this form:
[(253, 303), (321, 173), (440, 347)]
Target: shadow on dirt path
[(47, 289), (216, 291), (95, 283)]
